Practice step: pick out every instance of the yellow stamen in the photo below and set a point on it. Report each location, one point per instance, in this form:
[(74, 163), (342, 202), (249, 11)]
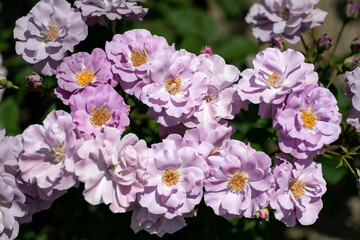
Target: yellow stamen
[(237, 182), (99, 116), (214, 150), (171, 177), (298, 188), (210, 97), (309, 117), (54, 32), (59, 154), (138, 58), (285, 14), (84, 77), (272, 80), (173, 85)]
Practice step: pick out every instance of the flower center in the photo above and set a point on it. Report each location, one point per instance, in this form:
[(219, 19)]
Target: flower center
[(173, 85), (84, 77), (237, 182), (59, 154), (113, 167), (285, 14), (99, 116), (272, 80), (54, 32), (138, 58), (298, 188), (214, 151), (171, 177), (309, 117)]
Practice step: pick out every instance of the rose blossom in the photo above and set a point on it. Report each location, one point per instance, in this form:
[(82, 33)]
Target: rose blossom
[(10, 149), (12, 206), (309, 120), (96, 10), (34, 80), (275, 74), (288, 18), (155, 223), (80, 70), (239, 180), (112, 169), (133, 54), (176, 87), (210, 137), (175, 178), (96, 107), (48, 157), (221, 100), (299, 187), (352, 91), (47, 32)]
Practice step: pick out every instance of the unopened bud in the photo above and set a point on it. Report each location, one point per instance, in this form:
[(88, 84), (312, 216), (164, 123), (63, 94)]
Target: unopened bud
[(352, 10), (262, 214), (351, 63), (34, 81), (206, 50), (324, 43), (3, 81), (355, 46), (277, 42)]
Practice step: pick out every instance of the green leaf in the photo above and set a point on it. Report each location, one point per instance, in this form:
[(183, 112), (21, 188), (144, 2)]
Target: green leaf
[(249, 224), (331, 174), (237, 47), (234, 221), (340, 163), (258, 135), (193, 21), (232, 8), (9, 116), (344, 149)]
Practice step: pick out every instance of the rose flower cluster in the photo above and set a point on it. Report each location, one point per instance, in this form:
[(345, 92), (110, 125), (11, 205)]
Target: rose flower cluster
[(193, 97)]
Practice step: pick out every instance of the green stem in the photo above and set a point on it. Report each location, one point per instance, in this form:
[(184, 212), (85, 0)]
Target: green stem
[(332, 79), (113, 26), (350, 168), (332, 152), (304, 44), (338, 39)]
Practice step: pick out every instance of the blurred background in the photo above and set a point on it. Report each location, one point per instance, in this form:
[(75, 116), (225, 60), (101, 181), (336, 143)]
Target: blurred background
[(190, 24)]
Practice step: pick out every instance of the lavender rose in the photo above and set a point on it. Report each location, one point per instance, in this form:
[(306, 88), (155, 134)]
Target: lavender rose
[(309, 120), (47, 32), (299, 187), (288, 18), (239, 181), (96, 10), (175, 178)]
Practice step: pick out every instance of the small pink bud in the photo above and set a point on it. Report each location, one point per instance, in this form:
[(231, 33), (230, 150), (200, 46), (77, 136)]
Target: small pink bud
[(34, 81), (3, 81), (355, 46), (206, 50), (351, 63), (324, 42), (263, 214), (277, 42), (352, 9)]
